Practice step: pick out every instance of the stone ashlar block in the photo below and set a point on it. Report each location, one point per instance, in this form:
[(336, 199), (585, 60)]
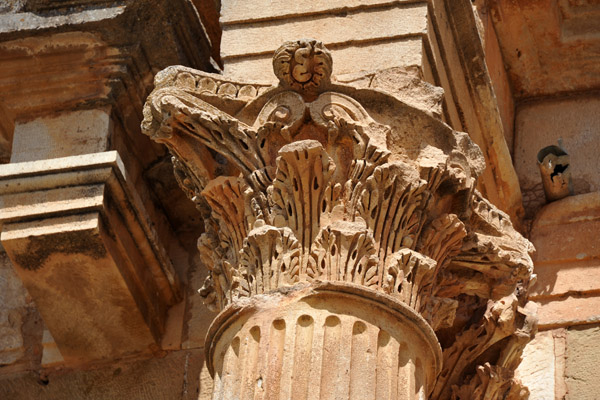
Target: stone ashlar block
[(559, 279), (581, 370), (81, 242), (240, 11), (403, 52), (567, 230), (571, 311), (371, 25), (68, 134), (537, 370)]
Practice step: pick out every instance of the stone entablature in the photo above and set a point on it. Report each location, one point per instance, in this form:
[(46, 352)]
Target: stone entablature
[(313, 183), (81, 241)]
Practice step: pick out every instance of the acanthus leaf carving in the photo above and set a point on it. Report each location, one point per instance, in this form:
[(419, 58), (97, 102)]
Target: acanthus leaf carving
[(313, 181), (491, 383), (298, 192), (270, 258), (344, 251)]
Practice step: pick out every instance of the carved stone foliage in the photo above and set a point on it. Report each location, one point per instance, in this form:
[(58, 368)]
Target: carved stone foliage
[(313, 181)]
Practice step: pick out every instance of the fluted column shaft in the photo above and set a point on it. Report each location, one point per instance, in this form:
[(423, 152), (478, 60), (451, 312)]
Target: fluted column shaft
[(322, 341)]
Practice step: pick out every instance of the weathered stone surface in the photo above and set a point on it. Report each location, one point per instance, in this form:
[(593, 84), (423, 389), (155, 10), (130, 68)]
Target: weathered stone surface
[(174, 377), (499, 77), (238, 11), (564, 278), (51, 355), (198, 317), (568, 311), (13, 299), (11, 335), (538, 368), (321, 343), (567, 242), (405, 52), (548, 46), (90, 54), (542, 123), (458, 63), (265, 37), (68, 134), (390, 33), (581, 373), (404, 83), (565, 231), (311, 181), (82, 244)]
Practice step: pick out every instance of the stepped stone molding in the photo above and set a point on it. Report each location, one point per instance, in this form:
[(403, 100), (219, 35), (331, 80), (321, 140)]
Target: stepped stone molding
[(82, 243), (313, 183)]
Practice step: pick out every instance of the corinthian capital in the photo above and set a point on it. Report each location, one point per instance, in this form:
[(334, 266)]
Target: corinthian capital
[(312, 182)]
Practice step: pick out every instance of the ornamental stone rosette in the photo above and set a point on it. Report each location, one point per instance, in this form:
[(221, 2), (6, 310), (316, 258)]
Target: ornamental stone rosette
[(350, 254)]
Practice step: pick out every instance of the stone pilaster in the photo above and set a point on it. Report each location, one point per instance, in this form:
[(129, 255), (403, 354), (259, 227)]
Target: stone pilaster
[(346, 241)]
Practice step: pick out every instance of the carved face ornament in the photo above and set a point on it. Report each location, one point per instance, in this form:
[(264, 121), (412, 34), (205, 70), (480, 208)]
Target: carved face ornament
[(304, 66)]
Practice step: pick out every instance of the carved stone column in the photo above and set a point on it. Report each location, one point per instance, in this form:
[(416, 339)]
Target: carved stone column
[(346, 241)]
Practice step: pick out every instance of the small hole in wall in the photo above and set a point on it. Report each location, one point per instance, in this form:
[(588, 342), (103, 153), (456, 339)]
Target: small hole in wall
[(43, 380), (558, 169), (315, 183)]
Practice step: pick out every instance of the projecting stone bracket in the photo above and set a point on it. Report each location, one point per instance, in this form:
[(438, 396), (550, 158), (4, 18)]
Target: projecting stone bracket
[(80, 240)]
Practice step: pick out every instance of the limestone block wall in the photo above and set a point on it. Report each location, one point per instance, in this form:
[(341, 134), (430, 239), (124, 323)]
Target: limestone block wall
[(362, 35), (561, 361)]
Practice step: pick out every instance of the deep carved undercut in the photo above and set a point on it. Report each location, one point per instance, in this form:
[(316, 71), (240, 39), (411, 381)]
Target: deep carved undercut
[(311, 181)]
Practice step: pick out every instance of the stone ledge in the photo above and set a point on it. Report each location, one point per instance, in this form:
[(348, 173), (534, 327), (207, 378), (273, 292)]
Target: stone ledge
[(560, 279), (570, 311), (566, 230), (80, 240)]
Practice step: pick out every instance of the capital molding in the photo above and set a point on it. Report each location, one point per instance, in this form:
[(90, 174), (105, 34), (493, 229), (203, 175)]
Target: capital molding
[(313, 182)]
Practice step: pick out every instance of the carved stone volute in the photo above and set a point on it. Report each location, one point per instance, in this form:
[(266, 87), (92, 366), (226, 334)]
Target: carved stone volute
[(311, 188)]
